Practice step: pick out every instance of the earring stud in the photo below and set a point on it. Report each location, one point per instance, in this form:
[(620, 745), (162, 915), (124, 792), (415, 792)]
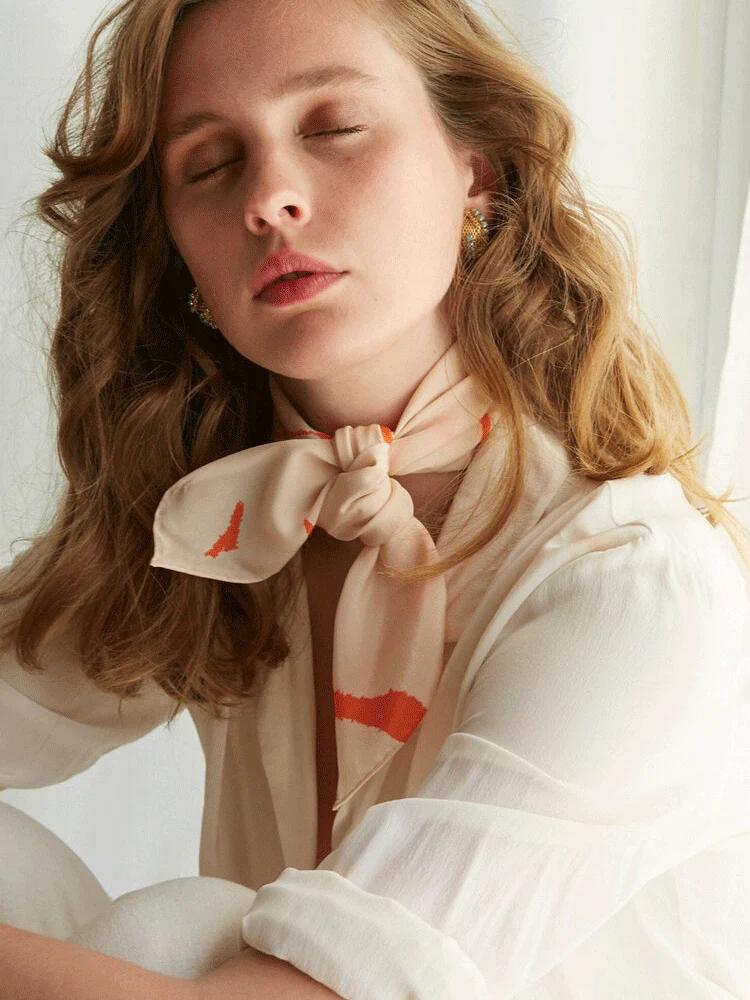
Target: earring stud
[(475, 233), (199, 307)]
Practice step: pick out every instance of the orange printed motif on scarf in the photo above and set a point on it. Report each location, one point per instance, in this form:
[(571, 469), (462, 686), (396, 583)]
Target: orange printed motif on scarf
[(396, 713), (229, 541), (291, 435)]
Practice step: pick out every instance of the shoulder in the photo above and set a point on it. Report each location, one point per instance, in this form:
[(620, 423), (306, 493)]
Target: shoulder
[(628, 562), (642, 540), (652, 519), (625, 645)]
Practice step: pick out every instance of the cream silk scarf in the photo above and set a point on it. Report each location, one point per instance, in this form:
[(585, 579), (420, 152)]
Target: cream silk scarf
[(243, 517)]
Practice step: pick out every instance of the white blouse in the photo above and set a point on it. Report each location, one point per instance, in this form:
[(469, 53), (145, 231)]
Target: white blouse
[(570, 820)]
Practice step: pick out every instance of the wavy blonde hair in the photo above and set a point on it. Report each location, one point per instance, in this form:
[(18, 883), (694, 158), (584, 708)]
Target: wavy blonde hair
[(145, 393)]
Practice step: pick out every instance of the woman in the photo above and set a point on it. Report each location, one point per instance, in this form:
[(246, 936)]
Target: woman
[(417, 538)]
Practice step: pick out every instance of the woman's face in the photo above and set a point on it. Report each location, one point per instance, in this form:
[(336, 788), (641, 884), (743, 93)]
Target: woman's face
[(385, 204)]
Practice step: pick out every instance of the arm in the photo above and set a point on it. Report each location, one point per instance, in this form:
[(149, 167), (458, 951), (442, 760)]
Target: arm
[(269, 977), (37, 967)]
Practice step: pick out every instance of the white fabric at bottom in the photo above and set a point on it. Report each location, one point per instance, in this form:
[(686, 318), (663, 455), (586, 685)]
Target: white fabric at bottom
[(182, 927), (44, 886)]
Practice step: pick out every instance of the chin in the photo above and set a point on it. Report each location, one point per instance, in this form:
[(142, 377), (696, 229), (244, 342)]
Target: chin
[(314, 357)]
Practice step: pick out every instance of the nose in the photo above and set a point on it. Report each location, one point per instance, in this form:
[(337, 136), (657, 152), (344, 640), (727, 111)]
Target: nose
[(273, 190), (270, 200), (260, 218)]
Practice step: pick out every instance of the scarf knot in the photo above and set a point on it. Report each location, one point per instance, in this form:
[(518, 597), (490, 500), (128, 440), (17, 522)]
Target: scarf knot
[(363, 501)]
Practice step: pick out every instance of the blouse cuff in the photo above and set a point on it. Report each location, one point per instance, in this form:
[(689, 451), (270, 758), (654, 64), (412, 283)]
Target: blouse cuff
[(358, 944)]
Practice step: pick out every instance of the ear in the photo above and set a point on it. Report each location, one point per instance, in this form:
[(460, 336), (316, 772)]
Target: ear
[(482, 183)]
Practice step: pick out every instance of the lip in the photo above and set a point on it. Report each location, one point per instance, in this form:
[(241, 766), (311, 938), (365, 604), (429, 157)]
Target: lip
[(285, 293), (286, 261)]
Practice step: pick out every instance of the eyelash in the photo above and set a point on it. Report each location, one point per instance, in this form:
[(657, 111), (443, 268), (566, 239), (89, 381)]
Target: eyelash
[(329, 134)]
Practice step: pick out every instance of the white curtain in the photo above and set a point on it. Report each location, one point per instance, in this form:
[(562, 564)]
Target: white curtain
[(660, 93), (729, 462), (726, 391)]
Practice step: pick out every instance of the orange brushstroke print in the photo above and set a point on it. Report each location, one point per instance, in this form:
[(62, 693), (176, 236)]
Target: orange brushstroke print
[(229, 541), (290, 435), (396, 713)]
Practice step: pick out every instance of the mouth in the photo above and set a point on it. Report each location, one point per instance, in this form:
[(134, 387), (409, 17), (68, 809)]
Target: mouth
[(292, 276), (290, 289)]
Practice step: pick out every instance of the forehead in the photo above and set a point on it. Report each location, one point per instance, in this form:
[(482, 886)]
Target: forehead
[(261, 52)]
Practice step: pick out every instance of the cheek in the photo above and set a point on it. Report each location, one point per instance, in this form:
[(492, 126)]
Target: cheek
[(203, 244), (412, 222)]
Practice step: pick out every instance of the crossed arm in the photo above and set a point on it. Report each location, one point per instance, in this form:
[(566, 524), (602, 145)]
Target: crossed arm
[(36, 967)]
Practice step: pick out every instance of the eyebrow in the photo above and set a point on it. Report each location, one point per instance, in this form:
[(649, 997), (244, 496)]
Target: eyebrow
[(295, 83)]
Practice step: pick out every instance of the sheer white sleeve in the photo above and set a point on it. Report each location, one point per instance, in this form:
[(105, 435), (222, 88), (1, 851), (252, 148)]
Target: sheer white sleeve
[(589, 757), (58, 723)]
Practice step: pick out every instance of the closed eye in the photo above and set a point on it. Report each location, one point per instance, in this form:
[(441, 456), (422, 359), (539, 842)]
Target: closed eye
[(315, 135)]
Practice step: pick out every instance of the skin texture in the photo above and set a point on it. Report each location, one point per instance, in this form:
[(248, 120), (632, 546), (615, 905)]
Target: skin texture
[(38, 967)]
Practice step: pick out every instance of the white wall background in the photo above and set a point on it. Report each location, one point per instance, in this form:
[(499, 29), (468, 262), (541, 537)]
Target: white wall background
[(660, 91)]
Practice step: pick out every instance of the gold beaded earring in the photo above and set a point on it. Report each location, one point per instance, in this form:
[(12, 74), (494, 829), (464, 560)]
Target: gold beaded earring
[(199, 307), (475, 235)]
